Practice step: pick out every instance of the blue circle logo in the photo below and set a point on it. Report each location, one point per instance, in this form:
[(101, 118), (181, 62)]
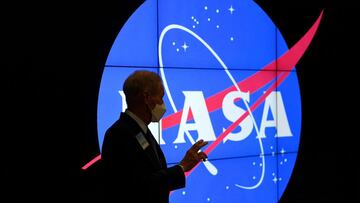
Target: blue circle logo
[(229, 79)]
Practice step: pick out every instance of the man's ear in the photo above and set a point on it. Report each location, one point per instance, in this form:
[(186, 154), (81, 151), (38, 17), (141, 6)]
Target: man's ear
[(146, 96)]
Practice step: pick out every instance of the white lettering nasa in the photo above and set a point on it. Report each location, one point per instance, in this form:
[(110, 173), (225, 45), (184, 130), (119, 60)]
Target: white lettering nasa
[(195, 102)]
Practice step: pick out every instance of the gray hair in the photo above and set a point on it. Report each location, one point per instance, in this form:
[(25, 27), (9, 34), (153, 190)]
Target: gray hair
[(139, 82)]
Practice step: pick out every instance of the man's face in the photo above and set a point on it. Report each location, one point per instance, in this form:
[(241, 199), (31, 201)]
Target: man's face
[(155, 98), (158, 98)]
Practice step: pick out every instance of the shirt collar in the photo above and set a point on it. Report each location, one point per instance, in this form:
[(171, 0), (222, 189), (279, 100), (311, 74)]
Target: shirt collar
[(137, 120)]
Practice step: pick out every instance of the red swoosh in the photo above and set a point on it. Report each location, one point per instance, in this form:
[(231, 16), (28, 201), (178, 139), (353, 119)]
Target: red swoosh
[(253, 83), (286, 62)]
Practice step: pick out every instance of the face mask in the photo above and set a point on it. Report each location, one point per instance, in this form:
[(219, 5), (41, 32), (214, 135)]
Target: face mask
[(157, 112)]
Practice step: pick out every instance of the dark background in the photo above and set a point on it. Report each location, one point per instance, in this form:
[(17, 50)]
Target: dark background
[(53, 57)]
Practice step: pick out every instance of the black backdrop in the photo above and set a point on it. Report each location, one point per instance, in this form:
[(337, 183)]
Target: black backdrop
[(54, 55)]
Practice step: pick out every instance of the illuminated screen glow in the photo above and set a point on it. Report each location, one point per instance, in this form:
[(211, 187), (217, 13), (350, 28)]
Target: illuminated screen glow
[(230, 79)]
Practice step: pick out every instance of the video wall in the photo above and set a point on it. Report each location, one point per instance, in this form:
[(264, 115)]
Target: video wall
[(230, 79)]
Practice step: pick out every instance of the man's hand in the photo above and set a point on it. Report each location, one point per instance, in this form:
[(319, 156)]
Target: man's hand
[(193, 156)]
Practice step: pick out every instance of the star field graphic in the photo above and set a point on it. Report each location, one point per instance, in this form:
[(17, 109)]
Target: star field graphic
[(211, 56), (232, 28)]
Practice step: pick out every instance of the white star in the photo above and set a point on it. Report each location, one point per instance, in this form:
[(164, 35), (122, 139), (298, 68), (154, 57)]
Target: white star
[(206, 8), (185, 46), (275, 179), (231, 9), (282, 151)]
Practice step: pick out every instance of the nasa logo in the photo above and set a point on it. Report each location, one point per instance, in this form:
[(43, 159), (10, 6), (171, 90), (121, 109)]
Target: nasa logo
[(229, 79)]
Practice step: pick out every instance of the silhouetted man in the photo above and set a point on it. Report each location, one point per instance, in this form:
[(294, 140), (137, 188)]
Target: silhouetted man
[(134, 164)]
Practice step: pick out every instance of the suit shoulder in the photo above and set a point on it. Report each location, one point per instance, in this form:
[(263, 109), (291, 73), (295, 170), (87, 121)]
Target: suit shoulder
[(117, 128)]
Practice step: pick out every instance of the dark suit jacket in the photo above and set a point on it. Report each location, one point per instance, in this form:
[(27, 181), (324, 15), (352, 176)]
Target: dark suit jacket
[(134, 174)]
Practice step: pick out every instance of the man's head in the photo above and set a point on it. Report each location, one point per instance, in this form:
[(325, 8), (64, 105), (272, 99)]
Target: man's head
[(144, 91)]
